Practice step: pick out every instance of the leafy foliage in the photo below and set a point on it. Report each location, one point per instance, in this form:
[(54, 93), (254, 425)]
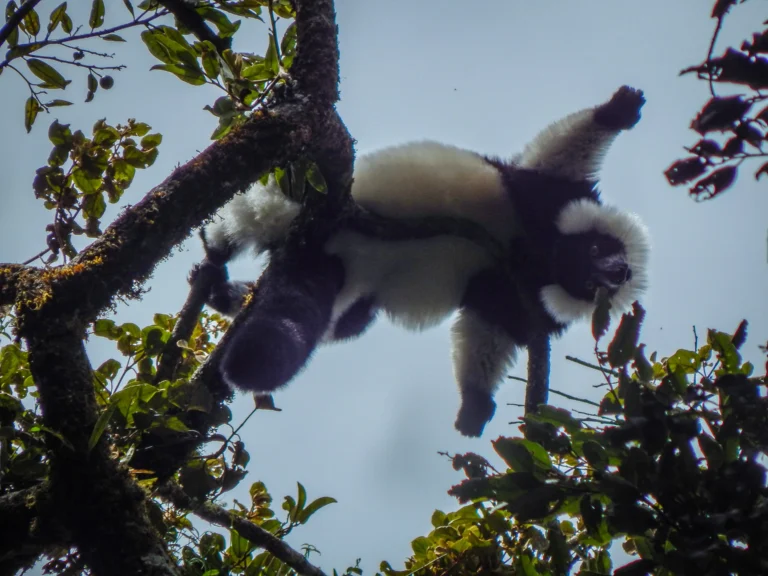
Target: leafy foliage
[(83, 173), (672, 466), (733, 128)]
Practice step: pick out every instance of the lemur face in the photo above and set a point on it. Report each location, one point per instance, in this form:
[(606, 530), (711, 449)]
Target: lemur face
[(590, 260)]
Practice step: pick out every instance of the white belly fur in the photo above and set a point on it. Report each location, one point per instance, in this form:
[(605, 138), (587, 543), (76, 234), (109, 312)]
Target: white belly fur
[(416, 282)]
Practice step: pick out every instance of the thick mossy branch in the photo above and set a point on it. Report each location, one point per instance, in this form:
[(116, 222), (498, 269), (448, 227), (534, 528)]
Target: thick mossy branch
[(316, 66), (10, 275), (95, 497), (28, 529), (248, 530)]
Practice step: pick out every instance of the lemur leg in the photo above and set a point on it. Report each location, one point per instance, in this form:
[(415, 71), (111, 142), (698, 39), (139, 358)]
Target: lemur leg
[(574, 146), (492, 325), (224, 296), (293, 301), (481, 354), (355, 320)]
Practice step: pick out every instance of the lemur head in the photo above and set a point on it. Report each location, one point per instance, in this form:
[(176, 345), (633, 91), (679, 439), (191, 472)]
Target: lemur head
[(598, 246)]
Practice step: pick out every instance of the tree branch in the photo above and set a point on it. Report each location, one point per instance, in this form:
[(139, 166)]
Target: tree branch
[(28, 528), (86, 482), (537, 388), (248, 530), (16, 19), (10, 275), (316, 66), (190, 19), (185, 325)]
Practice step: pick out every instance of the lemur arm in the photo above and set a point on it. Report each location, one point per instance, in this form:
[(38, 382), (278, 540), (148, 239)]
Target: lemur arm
[(574, 146)]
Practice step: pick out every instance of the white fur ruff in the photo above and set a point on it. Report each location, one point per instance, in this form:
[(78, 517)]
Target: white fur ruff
[(582, 216), (256, 219)]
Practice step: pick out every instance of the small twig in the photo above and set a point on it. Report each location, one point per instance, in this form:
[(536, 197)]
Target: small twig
[(593, 366), (248, 530), (576, 398), (35, 257), (61, 41), (80, 64), (16, 19), (709, 54), (274, 33)]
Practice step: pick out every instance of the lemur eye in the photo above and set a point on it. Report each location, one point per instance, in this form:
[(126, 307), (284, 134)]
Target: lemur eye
[(589, 285), (594, 251)]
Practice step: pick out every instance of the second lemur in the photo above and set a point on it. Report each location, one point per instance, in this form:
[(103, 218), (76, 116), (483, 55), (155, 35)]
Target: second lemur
[(543, 206)]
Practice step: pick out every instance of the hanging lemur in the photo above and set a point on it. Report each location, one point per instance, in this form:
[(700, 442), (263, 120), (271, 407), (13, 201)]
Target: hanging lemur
[(543, 206)]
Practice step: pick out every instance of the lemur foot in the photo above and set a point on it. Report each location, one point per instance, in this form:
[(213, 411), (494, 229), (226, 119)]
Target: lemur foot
[(477, 409), (622, 111)]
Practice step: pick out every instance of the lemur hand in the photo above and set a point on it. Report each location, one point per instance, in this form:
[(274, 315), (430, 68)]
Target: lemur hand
[(622, 111)]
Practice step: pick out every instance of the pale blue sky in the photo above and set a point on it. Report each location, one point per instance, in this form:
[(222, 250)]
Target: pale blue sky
[(365, 421)]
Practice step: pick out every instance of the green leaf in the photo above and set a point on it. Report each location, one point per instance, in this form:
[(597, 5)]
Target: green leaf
[(514, 454), (94, 205), (101, 425), (66, 23), (622, 348), (188, 74), (270, 59), (124, 172), (113, 38), (129, 6), (59, 134), (158, 50), (85, 183), (47, 74), (595, 455), (211, 63), (54, 103), (151, 141), (313, 507), (97, 14), (315, 178), (56, 16), (31, 109), (32, 23)]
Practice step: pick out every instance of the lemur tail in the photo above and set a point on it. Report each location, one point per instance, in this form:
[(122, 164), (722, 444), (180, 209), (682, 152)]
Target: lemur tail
[(257, 219)]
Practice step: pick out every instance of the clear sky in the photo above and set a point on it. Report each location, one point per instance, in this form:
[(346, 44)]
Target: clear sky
[(365, 421)]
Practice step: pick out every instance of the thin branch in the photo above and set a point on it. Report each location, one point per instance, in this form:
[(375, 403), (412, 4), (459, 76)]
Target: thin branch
[(20, 48), (576, 398), (248, 530), (16, 18), (185, 325), (274, 33), (593, 366), (710, 52), (80, 64), (536, 391)]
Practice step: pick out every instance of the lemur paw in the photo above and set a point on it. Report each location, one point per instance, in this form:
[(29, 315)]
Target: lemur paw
[(207, 271), (622, 111), (477, 409)]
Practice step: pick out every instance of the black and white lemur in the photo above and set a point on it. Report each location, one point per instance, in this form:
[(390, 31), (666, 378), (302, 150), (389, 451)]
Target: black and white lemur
[(543, 206)]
